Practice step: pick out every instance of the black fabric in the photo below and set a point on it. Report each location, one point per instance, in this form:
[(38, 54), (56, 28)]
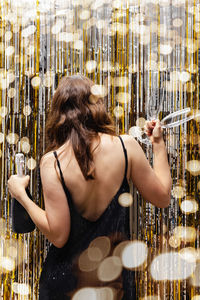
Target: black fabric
[(59, 275)]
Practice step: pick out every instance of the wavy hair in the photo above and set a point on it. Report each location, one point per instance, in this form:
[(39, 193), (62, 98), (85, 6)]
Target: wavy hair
[(75, 117)]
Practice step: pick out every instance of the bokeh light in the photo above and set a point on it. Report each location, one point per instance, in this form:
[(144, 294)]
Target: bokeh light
[(85, 294), (189, 206), (195, 278), (186, 234), (109, 269), (171, 266), (125, 199), (134, 254)]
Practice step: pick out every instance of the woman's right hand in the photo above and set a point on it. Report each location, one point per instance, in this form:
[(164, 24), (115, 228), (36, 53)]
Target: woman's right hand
[(154, 131)]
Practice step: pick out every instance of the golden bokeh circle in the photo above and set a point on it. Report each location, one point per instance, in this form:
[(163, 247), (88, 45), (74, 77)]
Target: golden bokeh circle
[(86, 264), (109, 269), (3, 111), (134, 254), (184, 76), (12, 92), (85, 293), (9, 51), (99, 90), (48, 81), (125, 199), (174, 241), (193, 166), (27, 110), (185, 233), (12, 138), (118, 112), (35, 82), (91, 66), (189, 206), (31, 163), (177, 22), (178, 191), (7, 264), (26, 147), (103, 243), (95, 254)]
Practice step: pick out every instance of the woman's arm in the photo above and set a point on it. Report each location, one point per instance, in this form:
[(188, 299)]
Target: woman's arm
[(153, 184), (54, 221), (161, 166)]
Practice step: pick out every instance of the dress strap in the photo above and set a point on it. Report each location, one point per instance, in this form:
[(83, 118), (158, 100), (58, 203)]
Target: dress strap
[(126, 157), (67, 192)]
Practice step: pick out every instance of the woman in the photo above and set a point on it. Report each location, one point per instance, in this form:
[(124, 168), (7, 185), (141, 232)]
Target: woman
[(87, 164)]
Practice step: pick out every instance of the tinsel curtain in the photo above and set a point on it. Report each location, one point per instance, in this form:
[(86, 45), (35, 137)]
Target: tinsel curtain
[(120, 45)]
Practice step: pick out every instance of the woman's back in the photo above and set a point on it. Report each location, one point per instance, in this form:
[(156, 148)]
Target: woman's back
[(92, 197)]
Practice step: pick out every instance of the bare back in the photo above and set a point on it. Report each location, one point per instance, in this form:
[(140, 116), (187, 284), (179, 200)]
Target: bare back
[(92, 197)]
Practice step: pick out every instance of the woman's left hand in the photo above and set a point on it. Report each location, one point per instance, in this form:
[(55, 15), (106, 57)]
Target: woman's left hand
[(17, 186)]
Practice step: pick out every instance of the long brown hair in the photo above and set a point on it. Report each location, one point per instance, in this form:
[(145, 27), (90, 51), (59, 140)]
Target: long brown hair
[(75, 117)]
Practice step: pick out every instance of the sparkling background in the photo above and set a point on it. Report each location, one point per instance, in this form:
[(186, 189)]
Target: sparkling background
[(118, 44)]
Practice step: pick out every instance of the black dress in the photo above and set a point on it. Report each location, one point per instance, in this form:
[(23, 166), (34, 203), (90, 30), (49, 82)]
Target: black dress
[(58, 279)]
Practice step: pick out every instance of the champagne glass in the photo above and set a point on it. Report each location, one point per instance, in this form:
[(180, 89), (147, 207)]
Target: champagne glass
[(154, 91), (155, 85)]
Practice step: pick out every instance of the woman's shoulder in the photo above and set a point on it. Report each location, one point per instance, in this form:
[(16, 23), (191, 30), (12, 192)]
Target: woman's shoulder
[(47, 159), (132, 146), (128, 140), (127, 137)]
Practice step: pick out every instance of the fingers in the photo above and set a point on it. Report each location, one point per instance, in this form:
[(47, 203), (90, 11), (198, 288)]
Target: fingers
[(10, 180), (15, 180), (149, 127), (153, 128), (157, 132), (27, 178), (152, 124), (158, 125)]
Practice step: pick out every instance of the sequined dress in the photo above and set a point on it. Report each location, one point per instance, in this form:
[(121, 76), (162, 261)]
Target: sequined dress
[(59, 277)]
